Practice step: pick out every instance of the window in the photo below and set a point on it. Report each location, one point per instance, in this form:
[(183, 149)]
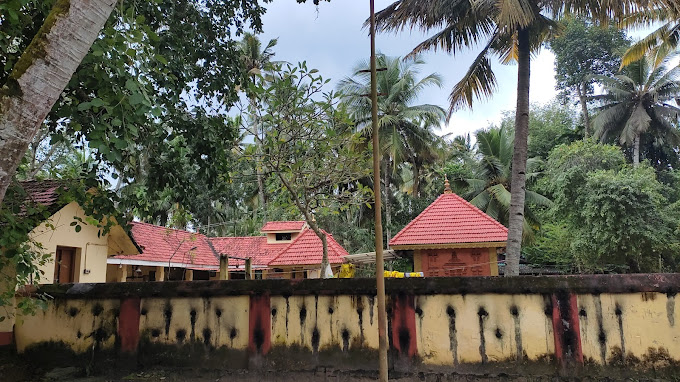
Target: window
[(283, 236), (258, 275)]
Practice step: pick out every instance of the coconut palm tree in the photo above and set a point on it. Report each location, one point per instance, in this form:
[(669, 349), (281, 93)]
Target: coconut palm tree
[(406, 130), (254, 59), (511, 30), (640, 101), (664, 40), (489, 188)]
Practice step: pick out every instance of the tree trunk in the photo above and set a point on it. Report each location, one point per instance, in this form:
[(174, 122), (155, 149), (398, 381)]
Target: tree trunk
[(42, 73), (416, 179), (636, 150), (258, 155), (386, 202), (583, 100), (324, 242), (519, 157)]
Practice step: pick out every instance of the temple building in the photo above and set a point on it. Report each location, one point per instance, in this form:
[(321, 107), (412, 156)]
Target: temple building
[(451, 237)]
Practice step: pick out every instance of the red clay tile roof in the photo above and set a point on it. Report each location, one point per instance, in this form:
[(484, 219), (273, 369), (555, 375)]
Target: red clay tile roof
[(44, 192), (283, 226), (255, 247), (451, 220), (307, 249), (167, 245)]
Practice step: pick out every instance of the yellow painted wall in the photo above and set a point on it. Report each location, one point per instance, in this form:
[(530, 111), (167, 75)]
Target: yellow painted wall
[(91, 250), (648, 321), (435, 337), (72, 322), (219, 314), (289, 329)]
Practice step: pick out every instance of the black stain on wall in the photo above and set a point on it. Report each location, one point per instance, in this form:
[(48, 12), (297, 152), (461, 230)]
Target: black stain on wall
[(619, 316), (316, 338), (519, 347), (601, 336), (181, 335), (371, 303), (167, 314), (453, 335), (670, 308), (155, 333), (258, 335), (73, 311), (287, 313), (233, 333), (404, 340), (360, 313), (144, 312), (218, 312), (483, 314), (303, 319), (97, 309), (193, 324), (207, 333), (499, 333), (345, 340), (79, 334)]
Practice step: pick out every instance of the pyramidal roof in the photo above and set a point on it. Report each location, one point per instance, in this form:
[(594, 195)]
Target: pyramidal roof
[(450, 220), (307, 249)]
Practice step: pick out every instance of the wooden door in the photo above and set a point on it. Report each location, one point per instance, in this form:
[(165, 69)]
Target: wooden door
[(64, 265)]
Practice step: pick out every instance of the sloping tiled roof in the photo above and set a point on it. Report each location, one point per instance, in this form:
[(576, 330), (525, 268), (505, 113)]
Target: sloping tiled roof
[(255, 247), (167, 245), (451, 220), (307, 249), (283, 226)]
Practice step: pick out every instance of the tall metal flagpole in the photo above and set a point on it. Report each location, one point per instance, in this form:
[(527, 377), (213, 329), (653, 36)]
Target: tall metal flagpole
[(379, 262)]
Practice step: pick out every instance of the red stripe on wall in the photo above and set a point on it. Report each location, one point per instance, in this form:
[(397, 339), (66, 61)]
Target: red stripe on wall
[(128, 324), (404, 325), (260, 330), (6, 338), (566, 329)]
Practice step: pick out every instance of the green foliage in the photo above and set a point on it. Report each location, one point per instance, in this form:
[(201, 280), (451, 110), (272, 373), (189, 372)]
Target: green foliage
[(583, 50), (309, 143), (625, 222), (613, 217), (569, 165)]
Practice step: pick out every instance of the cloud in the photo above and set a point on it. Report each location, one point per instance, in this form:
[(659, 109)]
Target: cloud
[(331, 38)]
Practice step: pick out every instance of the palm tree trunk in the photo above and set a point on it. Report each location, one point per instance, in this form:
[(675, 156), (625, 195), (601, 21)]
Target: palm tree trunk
[(584, 108), (258, 154), (519, 157), (386, 202), (416, 179), (636, 150), (42, 73)]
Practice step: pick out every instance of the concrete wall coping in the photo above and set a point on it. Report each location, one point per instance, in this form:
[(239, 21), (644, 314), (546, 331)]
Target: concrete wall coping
[(577, 284)]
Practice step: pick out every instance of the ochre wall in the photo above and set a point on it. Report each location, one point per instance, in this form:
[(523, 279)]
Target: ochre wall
[(91, 250), (456, 262), (576, 325)]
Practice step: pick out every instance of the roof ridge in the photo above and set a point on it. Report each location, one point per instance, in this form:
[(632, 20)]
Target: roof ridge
[(169, 228), (479, 211), (417, 218)]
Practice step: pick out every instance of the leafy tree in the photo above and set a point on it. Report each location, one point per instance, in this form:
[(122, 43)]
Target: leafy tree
[(624, 221), (406, 130), (36, 77), (512, 30), (309, 145), (638, 104), (583, 50), (616, 217)]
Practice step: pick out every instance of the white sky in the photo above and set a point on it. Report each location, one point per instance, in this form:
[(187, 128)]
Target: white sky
[(330, 38)]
